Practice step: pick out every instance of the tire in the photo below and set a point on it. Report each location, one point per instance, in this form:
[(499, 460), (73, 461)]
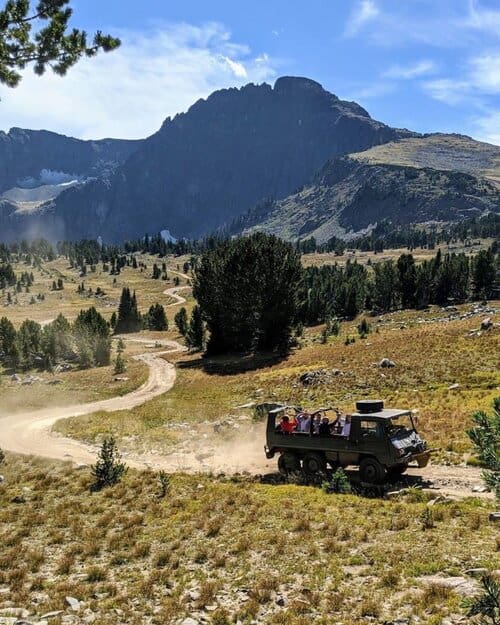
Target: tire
[(366, 406), (399, 469), (313, 464), (288, 463), (371, 471)]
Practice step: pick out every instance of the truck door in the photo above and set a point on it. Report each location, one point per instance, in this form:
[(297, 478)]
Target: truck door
[(370, 436)]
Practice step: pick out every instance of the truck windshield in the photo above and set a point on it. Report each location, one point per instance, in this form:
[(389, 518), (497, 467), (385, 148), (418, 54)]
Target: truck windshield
[(402, 432), (401, 426)]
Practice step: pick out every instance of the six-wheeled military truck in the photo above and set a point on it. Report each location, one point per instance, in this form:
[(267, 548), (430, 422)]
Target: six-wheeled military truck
[(381, 441)]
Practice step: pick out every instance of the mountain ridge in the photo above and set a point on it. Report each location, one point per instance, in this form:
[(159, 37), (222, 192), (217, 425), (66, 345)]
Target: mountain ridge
[(229, 152)]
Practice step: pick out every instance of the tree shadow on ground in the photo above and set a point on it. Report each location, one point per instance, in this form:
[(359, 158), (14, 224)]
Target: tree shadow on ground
[(233, 364)]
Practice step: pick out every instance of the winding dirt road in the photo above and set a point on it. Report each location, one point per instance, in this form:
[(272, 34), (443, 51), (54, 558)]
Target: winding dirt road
[(30, 433)]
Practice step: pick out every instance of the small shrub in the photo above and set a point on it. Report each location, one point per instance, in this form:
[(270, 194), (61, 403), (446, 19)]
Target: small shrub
[(96, 574), (220, 617), (369, 607), (2, 456), (163, 484), (485, 436), (108, 470), (339, 483), (427, 519), (120, 366), (364, 329), (487, 604), (162, 559)]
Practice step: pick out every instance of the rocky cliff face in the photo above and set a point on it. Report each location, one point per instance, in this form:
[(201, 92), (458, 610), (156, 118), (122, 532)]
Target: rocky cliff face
[(211, 164), (25, 153), (350, 195)]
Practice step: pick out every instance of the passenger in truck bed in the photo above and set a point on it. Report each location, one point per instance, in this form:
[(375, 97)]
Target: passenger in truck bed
[(286, 426)]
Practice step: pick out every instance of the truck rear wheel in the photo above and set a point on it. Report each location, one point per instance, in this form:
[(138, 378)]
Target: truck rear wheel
[(314, 463), (371, 471), (288, 463)]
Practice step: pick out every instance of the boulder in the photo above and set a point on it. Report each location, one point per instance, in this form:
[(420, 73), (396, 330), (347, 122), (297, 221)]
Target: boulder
[(73, 603), (486, 323), (479, 572), (386, 363)]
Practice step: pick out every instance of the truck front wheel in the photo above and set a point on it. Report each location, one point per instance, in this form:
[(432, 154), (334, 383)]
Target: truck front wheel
[(398, 469), (371, 471), (288, 463), (314, 463)]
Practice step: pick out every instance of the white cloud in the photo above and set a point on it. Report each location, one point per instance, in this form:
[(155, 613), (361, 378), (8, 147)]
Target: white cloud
[(447, 90), (443, 24), (364, 12), (238, 69), (480, 78), (483, 19), (129, 92), (488, 127), (411, 71), (485, 72)]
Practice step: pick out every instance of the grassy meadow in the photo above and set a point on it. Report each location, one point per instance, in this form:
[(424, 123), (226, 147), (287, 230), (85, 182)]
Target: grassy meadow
[(226, 549), (231, 550), (431, 355)]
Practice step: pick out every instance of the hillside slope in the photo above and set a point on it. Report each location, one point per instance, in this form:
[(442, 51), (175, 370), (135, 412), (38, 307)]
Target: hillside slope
[(439, 151), (351, 195)]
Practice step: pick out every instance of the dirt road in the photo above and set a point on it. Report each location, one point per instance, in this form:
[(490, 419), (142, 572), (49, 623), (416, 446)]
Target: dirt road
[(30, 432)]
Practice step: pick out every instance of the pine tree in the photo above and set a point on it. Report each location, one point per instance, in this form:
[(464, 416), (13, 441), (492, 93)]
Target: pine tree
[(41, 35), (91, 332), (195, 335), (247, 292), (120, 364), (485, 435), (407, 280), (129, 318), (109, 469), (181, 321), (484, 274), (156, 319)]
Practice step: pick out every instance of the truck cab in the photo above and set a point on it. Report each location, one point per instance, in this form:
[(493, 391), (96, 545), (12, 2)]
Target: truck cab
[(379, 440)]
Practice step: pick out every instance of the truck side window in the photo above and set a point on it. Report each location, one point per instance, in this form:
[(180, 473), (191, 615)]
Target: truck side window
[(370, 429)]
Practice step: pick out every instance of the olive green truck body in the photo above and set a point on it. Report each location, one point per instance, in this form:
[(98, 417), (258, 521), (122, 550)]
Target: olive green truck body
[(380, 441)]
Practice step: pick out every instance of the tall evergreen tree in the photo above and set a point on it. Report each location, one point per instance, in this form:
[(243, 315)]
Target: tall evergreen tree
[(407, 279), (247, 292), (195, 335), (28, 341), (156, 319), (129, 318), (484, 273), (91, 333), (181, 321)]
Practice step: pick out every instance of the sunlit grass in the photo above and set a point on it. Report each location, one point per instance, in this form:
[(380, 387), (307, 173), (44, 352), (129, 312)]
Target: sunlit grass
[(323, 554)]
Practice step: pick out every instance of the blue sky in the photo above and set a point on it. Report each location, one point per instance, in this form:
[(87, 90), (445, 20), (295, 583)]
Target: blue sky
[(427, 65)]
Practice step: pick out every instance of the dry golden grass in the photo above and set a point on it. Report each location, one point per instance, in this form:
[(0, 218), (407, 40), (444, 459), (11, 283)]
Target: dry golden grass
[(69, 302), (75, 387), (232, 548), (82, 386), (420, 254), (430, 357)]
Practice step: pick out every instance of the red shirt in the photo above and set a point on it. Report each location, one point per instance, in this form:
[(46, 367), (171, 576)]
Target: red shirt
[(288, 426)]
